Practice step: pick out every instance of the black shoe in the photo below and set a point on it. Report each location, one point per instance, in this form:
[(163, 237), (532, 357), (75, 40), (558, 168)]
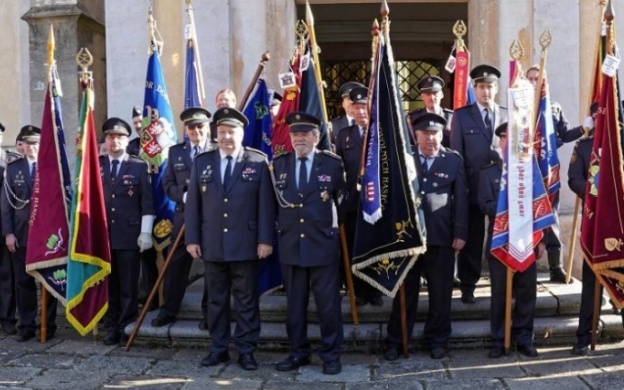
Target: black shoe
[(391, 354), (332, 368), (162, 321), (112, 338), (496, 352), (456, 283), (376, 301), (24, 336), (359, 301), (557, 276), (292, 363), (123, 339), (580, 350), (247, 361), (468, 297), (203, 325), (9, 328), (214, 359), (438, 353), (49, 335), (527, 350)]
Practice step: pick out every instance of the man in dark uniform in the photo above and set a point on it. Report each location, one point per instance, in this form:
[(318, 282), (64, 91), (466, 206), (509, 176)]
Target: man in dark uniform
[(149, 257), (431, 93), (347, 119), (230, 224), (349, 147), (130, 214), (445, 205), (175, 182), (524, 283), (472, 135), (309, 184), (564, 134), (16, 197)]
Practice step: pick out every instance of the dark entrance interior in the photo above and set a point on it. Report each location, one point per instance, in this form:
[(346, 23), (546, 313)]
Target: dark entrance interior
[(421, 36)]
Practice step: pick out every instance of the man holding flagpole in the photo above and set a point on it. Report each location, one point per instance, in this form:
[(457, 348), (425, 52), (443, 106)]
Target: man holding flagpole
[(472, 135)]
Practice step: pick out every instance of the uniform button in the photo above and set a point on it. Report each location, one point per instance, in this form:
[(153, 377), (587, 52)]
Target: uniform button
[(225, 230), (300, 205), (225, 200), (113, 209), (302, 235), (301, 220), (113, 196), (225, 215), (425, 179), (113, 221), (422, 192)]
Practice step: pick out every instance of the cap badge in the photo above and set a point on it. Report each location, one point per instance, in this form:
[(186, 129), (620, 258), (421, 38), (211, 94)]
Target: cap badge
[(297, 116), (226, 111)]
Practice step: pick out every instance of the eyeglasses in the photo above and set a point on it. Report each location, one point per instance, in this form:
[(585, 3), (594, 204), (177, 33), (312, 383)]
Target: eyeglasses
[(196, 126)]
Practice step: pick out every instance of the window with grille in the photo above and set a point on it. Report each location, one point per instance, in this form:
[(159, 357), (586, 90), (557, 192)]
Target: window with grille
[(335, 73)]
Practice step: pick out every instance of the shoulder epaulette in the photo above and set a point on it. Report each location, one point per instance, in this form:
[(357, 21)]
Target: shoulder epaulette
[(452, 151), (135, 158), (331, 154), (464, 108), (13, 156), (447, 110), (491, 164), (256, 151), (281, 156)]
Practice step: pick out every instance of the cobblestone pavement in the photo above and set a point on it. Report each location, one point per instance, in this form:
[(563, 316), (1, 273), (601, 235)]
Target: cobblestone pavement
[(71, 362)]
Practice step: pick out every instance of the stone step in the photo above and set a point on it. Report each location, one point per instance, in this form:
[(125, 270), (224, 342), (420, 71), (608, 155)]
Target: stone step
[(555, 324)]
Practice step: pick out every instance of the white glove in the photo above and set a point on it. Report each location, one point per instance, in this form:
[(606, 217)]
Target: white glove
[(588, 123), (144, 241), (145, 238), (184, 198)]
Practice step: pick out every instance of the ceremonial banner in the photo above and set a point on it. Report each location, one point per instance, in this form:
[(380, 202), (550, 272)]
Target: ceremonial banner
[(310, 101), (193, 82), (388, 236), (546, 143), (158, 135), (48, 235), (280, 132), (89, 256), (523, 210), (462, 84), (602, 232)]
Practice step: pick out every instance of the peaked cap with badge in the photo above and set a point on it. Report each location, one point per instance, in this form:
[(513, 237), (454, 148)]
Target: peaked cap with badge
[(430, 84), (116, 126), (485, 74), (300, 121), (429, 122), (227, 116), (195, 116), (359, 95)]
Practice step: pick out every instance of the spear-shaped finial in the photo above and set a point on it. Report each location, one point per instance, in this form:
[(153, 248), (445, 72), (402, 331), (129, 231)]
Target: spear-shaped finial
[(516, 51), (609, 14), (309, 16), (385, 10)]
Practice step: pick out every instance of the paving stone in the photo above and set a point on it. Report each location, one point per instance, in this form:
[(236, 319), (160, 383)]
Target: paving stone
[(13, 376), (179, 368), (452, 384), (264, 372), (82, 347), (8, 355), (10, 344), (150, 352), (279, 385), (384, 386), (608, 363), (225, 384), (551, 367), (569, 383), (54, 379), (604, 380), (143, 382), (60, 361), (116, 364), (194, 355), (314, 373), (505, 367), (410, 370)]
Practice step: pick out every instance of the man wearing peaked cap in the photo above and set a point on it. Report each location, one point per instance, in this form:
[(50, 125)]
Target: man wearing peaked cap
[(309, 184), (134, 146), (431, 93), (524, 283), (230, 225), (274, 106), (347, 119), (349, 141), (442, 184), (472, 135), (175, 183), (16, 206), (128, 198)]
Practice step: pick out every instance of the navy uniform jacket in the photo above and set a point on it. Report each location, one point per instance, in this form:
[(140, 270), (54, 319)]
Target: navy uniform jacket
[(564, 133), (446, 113), (349, 148), (20, 186), (489, 187), (444, 198), (229, 223), (134, 147), (579, 165), (471, 139), (127, 200), (176, 179), (338, 124), (308, 231)]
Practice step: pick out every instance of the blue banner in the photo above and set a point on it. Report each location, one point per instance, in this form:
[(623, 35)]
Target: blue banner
[(159, 133), (191, 80), (258, 131)]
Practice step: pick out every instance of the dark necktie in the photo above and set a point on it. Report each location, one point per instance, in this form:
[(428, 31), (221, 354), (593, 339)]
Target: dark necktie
[(487, 120), (195, 151), (33, 171), (424, 162), (352, 122), (303, 173), (114, 170), (228, 172)]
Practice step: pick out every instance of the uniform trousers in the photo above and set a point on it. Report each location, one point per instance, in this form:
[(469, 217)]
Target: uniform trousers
[(148, 271), (123, 289), (323, 281), (471, 256), (437, 266), (586, 312), (7, 288), (26, 297), (175, 282), (523, 312), (240, 280)]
